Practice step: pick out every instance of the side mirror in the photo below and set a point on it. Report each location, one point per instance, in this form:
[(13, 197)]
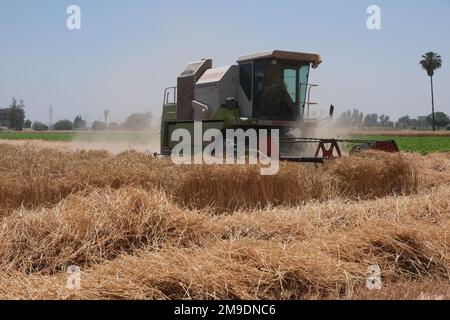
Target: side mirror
[(331, 111)]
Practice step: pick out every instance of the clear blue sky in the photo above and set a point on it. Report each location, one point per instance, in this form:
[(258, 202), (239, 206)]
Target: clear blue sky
[(127, 52)]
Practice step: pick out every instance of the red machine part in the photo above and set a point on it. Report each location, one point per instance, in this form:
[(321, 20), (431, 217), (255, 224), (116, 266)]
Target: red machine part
[(387, 146), (328, 148)]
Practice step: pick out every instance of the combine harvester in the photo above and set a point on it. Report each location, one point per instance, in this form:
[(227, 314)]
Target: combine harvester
[(267, 90)]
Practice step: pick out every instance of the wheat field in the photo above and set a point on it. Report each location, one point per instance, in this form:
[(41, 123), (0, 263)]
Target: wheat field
[(143, 228)]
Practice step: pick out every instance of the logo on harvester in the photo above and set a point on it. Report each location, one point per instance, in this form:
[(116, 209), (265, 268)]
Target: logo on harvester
[(237, 146)]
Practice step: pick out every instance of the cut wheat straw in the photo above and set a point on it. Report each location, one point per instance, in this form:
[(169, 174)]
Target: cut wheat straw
[(142, 228)]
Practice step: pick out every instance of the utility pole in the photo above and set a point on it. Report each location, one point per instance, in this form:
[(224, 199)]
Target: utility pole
[(50, 114)]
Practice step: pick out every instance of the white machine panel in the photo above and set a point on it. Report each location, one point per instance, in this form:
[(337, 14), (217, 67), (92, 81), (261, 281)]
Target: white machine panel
[(214, 87)]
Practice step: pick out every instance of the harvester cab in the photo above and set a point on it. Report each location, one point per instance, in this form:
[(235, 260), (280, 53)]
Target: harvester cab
[(266, 90)]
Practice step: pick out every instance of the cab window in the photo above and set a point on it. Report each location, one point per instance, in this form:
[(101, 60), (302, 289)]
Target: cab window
[(245, 79)]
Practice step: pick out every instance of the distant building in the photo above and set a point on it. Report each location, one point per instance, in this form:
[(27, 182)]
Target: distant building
[(4, 117)]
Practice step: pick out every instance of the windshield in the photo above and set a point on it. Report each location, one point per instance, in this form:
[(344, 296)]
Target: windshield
[(279, 90)]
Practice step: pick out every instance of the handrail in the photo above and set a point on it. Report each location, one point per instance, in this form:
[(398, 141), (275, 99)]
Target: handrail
[(309, 103), (167, 96)]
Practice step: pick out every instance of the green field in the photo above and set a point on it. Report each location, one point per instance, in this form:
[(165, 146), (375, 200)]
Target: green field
[(47, 136), (405, 143), (416, 144), (108, 137)]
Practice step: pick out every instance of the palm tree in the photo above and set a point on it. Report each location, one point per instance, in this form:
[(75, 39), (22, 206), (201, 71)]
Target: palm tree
[(430, 62), (106, 114)]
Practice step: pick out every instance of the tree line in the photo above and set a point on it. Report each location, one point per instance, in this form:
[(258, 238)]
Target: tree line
[(16, 121), (357, 119)]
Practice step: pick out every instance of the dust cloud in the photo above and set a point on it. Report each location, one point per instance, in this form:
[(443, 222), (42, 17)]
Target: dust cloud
[(113, 142), (117, 142)]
